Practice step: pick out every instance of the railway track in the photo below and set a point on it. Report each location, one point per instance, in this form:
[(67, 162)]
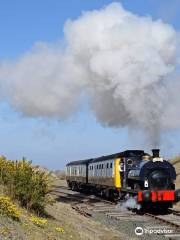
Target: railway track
[(171, 219), (87, 205), (175, 212), (79, 197)]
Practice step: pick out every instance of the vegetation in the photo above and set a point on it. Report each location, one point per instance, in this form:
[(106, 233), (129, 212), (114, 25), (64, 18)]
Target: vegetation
[(24, 187), (8, 208), (38, 221), (25, 184)]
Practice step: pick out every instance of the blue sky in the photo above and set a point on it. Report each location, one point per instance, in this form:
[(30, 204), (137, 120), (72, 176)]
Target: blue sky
[(53, 143)]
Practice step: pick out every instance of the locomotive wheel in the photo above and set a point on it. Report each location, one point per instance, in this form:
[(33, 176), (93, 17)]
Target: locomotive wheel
[(70, 185), (116, 196), (74, 186), (113, 195)]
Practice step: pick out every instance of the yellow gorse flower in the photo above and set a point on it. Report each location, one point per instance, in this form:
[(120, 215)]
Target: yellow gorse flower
[(38, 221), (25, 183), (59, 229), (8, 208)]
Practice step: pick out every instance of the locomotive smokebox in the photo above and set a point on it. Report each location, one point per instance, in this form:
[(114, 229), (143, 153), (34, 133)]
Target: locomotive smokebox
[(155, 153)]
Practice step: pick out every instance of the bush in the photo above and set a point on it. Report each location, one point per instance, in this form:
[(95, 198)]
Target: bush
[(8, 208), (24, 183)]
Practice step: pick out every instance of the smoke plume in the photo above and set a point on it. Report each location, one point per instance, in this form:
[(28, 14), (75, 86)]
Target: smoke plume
[(125, 64)]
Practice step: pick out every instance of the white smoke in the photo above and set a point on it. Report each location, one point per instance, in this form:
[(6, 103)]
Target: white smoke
[(129, 203), (124, 63)]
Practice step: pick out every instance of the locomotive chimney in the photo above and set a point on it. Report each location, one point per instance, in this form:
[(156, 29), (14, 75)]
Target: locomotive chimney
[(155, 153)]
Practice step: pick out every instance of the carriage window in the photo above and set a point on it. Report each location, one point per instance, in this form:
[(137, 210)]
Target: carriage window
[(110, 165), (107, 165), (102, 166), (92, 167), (99, 166)]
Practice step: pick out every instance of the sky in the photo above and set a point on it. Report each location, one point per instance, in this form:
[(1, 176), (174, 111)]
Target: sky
[(52, 143)]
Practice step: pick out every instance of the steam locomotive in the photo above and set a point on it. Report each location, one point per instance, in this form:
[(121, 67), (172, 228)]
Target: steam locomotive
[(147, 178)]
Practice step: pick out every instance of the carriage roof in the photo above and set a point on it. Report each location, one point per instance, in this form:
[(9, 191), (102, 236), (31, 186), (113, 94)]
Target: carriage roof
[(127, 153)]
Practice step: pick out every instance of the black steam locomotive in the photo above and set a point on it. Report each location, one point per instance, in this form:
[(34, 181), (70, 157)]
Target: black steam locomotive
[(149, 179)]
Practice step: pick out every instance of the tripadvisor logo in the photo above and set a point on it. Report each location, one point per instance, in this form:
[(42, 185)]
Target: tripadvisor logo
[(152, 230), (139, 231)]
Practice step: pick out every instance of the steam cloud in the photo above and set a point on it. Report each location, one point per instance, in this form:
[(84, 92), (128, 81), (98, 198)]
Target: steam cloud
[(129, 203), (125, 64)]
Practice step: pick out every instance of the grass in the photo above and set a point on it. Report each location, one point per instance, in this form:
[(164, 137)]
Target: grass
[(30, 227), (63, 223), (26, 212)]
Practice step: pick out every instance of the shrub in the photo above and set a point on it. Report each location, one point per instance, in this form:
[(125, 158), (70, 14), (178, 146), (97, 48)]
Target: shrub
[(25, 183), (8, 208)]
